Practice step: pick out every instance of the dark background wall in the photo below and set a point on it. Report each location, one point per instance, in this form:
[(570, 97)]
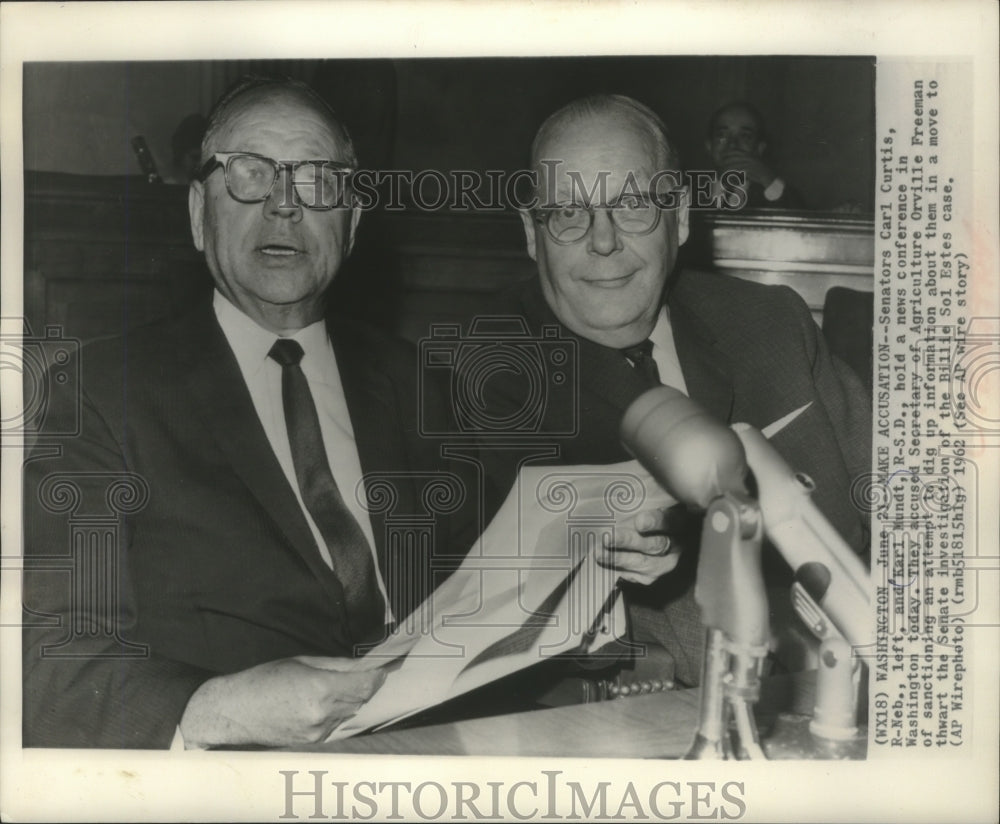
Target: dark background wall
[(106, 249), (471, 113)]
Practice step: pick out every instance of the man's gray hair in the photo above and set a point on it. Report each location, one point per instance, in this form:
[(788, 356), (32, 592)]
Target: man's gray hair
[(611, 104), (232, 100)]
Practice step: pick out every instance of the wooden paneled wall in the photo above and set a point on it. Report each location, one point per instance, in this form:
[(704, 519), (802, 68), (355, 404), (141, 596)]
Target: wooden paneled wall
[(102, 254), (810, 252)]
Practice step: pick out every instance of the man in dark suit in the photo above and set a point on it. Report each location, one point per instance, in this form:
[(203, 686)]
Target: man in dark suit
[(241, 568), (605, 235)]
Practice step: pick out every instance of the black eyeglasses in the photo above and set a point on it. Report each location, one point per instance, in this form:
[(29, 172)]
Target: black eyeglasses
[(250, 178), (633, 215)]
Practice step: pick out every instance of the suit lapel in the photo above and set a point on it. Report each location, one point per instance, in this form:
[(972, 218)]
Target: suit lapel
[(373, 408), (217, 389), (707, 371)]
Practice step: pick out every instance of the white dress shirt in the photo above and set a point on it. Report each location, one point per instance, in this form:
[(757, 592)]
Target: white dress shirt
[(250, 344), (665, 352)]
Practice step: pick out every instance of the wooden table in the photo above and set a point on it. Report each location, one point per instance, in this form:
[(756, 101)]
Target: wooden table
[(649, 726)]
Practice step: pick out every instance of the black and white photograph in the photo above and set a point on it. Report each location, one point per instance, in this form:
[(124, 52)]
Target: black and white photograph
[(404, 420)]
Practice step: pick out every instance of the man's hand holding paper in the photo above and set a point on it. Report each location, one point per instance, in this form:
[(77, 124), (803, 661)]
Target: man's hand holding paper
[(279, 703), (643, 549)]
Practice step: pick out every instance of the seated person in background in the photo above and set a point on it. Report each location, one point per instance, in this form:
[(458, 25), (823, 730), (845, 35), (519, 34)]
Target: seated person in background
[(736, 142), (606, 278)]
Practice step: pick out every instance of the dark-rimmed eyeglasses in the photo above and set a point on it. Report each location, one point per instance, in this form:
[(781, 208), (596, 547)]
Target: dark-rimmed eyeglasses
[(632, 215), (250, 178)]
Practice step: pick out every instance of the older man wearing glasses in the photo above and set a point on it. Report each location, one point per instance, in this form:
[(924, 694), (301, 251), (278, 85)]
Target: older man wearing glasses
[(605, 232), (248, 571)]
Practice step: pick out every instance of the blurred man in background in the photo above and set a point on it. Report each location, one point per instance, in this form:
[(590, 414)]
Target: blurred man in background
[(737, 142)]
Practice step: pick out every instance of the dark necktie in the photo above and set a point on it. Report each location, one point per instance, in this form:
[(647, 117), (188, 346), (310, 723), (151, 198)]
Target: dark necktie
[(349, 551), (641, 357)]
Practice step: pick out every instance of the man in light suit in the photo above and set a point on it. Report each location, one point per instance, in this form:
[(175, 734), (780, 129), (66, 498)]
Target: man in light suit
[(231, 596), (605, 236)]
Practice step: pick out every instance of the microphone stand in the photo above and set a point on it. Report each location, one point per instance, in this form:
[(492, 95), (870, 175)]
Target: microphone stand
[(730, 591), (731, 594), (705, 464)]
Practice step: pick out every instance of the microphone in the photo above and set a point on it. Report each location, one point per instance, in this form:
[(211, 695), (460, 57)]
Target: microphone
[(692, 456), (830, 571), (695, 458)]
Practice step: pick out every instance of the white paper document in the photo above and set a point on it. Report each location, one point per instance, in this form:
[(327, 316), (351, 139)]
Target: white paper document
[(528, 590)]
